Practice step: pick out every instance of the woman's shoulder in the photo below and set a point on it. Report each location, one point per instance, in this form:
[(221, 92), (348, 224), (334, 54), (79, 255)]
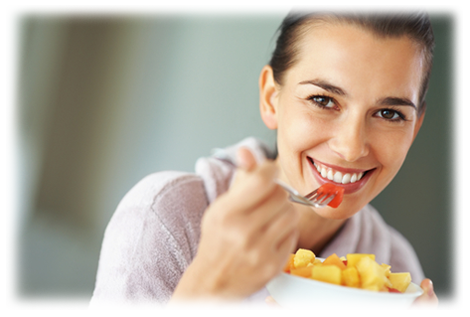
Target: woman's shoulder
[(151, 238), (162, 184), (164, 191), (163, 208)]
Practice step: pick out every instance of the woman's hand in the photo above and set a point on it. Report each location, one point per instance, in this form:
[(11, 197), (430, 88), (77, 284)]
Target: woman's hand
[(427, 301), (247, 235), (428, 298)]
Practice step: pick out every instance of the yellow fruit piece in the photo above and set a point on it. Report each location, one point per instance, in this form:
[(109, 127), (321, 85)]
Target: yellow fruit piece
[(386, 268), (400, 281), (373, 288), (372, 275), (350, 277), (327, 273), (303, 257), (317, 262), (354, 258)]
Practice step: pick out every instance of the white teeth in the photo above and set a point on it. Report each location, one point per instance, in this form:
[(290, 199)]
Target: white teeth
[(338, 178), (330, 175), (354, 178)]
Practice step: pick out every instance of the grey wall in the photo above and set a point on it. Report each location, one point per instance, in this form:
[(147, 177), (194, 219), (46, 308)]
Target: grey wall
[(105, 101)]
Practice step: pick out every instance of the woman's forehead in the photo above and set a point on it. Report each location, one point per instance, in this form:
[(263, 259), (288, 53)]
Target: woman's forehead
[(353, 55)]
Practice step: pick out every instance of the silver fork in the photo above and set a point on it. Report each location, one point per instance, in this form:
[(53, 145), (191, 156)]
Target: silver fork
[(313, 199)]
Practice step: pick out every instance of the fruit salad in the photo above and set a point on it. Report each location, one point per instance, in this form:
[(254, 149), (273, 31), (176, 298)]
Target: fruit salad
[(356, 270)]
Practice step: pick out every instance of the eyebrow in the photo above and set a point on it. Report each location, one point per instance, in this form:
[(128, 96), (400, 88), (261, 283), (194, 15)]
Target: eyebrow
[(324, 85), (388, 101), (395, 101)]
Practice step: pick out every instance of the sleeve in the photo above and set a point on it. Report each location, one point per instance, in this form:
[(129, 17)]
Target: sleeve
[(151, 239)]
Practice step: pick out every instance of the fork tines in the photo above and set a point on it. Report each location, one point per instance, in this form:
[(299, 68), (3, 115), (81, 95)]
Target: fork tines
[(322, 198)]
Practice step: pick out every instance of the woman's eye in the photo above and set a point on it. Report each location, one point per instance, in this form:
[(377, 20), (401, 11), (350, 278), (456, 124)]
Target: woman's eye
[(322, 101), (390, 114)]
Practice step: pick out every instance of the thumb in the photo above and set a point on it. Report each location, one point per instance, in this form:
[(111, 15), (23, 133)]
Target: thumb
[(246, 163), (245, 159)]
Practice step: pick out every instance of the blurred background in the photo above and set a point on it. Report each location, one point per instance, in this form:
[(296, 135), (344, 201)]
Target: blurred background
[(105, 100)]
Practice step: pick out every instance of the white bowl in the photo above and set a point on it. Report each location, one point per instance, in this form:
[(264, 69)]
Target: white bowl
[(292, 291)]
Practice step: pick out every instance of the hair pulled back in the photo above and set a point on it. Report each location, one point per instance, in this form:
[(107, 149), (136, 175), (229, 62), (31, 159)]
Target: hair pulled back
[(416, 26)]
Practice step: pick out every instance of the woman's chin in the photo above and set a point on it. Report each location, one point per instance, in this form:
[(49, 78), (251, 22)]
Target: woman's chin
[(342, 212)]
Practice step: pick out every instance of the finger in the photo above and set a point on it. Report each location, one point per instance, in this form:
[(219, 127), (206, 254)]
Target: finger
[(285, 248), (254, 187), (282, 226), (246, 162), (428, 298), (288, 245), (245, 159), (269, 207)]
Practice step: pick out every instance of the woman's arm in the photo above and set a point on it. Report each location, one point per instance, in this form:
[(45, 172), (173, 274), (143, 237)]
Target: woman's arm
[(247, 235)]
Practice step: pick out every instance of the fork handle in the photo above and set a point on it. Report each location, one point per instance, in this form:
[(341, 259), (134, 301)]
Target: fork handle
[(293, 194)]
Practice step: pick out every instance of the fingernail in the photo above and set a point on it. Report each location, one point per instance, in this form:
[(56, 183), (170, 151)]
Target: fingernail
[(430, 289)]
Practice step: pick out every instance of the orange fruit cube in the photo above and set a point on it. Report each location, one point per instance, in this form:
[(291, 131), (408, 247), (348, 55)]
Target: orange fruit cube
[(305, 271), (334, 260)]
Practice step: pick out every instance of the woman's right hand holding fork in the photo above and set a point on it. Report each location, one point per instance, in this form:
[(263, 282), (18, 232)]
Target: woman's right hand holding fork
[(247, 235)]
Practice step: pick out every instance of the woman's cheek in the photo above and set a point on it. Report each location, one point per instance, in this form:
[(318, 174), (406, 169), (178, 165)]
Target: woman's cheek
[(308, 129)]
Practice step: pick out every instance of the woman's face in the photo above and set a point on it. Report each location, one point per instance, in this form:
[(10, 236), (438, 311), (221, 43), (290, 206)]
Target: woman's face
[(347, 113)]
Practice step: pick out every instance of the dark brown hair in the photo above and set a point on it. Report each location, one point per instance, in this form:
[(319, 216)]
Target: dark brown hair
[(416, 26)]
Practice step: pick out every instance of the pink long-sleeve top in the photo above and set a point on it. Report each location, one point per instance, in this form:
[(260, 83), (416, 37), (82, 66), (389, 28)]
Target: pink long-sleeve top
[(154, 233)]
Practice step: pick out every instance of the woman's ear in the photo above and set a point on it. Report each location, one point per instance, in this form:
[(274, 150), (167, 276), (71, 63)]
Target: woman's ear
[(268, 97)]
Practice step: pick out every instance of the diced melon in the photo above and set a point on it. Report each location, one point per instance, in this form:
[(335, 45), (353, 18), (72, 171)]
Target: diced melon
[(327, 273), (372, 275), (350, 277), (374, 288), (353, 258), (400, 281), (303, 257), (305, 271), (317, 262), (334, 260), (386, 268)]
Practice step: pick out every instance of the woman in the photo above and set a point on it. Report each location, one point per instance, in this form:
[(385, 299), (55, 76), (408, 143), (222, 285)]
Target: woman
[(346, 96)]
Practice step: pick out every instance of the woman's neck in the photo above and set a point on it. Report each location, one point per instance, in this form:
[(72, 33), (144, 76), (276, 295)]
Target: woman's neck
[(316, 231)]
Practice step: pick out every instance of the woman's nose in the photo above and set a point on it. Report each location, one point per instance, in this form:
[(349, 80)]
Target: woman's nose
[(350, 139)]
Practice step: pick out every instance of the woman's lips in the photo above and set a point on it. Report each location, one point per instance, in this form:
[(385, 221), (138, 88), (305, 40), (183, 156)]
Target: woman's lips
[(350, 179)]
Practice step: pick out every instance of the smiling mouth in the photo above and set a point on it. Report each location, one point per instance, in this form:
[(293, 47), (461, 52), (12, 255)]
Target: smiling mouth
[(338, 177)]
